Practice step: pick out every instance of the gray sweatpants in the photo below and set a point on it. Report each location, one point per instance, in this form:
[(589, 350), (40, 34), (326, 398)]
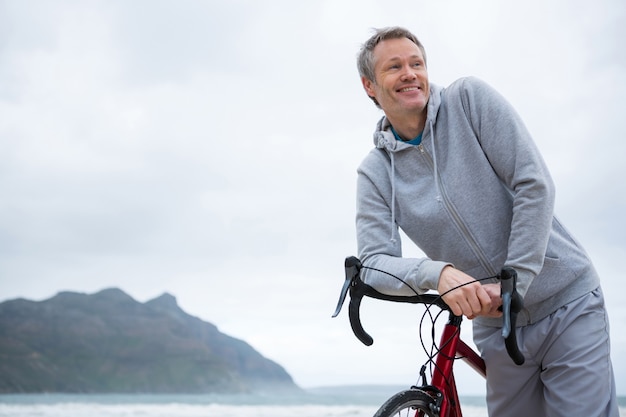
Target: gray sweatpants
[(568, 369)]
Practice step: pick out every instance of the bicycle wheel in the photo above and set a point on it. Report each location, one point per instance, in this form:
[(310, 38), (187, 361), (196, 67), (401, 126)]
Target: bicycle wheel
[(407, 403)]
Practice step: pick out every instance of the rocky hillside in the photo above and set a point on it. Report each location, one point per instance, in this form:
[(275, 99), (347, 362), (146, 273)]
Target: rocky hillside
[(109, 342)]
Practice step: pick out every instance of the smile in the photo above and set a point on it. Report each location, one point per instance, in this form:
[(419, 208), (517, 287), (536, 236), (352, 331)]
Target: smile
[(406, 89)]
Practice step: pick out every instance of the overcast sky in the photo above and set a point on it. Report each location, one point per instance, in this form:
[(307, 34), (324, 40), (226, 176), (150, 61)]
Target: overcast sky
[(208, 149)]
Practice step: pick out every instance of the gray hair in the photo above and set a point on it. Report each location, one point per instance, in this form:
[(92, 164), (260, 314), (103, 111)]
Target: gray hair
[(365, 58)]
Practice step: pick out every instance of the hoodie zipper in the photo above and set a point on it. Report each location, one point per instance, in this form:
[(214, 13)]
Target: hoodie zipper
[(456, 217)]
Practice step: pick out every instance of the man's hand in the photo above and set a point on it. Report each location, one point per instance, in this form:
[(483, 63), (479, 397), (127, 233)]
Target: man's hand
[(471, 300)]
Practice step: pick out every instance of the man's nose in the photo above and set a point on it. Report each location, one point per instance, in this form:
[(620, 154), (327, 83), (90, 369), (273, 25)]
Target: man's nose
[(408, 73)]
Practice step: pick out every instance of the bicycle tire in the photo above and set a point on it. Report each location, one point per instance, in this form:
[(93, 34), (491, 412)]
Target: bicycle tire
[(411, 402)]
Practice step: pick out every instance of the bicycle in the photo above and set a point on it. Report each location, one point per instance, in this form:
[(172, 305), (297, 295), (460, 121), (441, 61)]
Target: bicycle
[(439, 398)]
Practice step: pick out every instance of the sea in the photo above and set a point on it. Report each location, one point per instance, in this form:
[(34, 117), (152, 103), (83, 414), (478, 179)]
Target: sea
[(315, 402)]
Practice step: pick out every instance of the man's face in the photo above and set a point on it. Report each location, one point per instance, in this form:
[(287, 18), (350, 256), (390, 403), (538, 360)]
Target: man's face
[(401, 79)]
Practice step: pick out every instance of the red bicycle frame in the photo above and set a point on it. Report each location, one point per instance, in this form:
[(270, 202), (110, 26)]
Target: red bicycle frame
[(451, 346)]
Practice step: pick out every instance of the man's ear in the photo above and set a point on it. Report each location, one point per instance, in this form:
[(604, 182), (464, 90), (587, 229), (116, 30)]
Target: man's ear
[(368, 85)]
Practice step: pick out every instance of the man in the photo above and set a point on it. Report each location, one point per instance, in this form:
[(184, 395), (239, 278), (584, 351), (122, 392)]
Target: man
[(457, 171)]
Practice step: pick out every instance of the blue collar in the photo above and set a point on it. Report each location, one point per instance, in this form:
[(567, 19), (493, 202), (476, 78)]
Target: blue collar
[(415, 141)]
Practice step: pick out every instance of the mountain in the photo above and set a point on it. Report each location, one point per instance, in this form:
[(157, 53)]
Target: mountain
[(108, 342)]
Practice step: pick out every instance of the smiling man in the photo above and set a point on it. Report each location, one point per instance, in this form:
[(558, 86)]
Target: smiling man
[(456, 169), (400, 85)]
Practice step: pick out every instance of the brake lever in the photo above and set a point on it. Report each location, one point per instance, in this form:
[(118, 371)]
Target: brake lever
[(512, 303), (358, 289), (352, 266)]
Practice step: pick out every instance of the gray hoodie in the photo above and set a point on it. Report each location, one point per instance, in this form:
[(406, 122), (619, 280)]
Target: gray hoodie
[(475, 194)]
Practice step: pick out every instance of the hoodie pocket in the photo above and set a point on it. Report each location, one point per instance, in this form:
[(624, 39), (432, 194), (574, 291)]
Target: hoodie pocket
[(554, 276)]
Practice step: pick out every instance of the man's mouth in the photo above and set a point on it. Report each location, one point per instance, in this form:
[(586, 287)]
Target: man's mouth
[(407, 89)]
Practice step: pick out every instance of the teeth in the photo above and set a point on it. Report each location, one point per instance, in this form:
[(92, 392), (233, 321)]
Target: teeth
[(404, 90)]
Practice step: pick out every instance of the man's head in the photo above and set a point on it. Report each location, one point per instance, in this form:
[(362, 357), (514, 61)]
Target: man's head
[(392, 66), (365, 59)]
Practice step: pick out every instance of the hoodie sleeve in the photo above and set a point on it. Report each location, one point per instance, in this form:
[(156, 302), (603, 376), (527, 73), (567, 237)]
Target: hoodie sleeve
[(378, 237), (516, 160)]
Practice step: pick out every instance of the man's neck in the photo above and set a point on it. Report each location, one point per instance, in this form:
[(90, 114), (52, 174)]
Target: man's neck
[(409, 127)]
